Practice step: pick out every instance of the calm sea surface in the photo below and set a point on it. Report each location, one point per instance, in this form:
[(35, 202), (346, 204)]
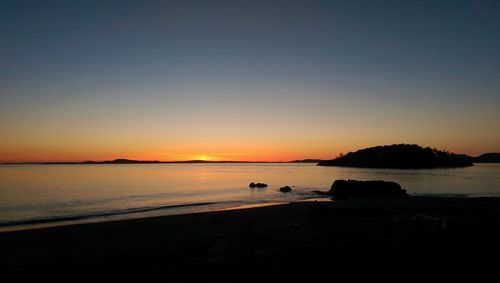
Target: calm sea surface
[(40, 195)]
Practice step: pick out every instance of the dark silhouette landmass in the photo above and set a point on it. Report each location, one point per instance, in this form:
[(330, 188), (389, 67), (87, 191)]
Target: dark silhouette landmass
[(342, 189), (307, 161), (492, 157), (131, 161), (444, 158), (404, 156), (121, 161)]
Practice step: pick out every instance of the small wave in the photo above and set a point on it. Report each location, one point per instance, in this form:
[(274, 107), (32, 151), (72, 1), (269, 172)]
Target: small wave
[(99, 214), (297, 196), (437, 195)]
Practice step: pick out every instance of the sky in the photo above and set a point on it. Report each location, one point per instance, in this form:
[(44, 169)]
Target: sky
[(245, 80)]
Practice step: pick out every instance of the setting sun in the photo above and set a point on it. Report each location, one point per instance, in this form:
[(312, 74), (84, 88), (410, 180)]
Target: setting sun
[(203, 157)]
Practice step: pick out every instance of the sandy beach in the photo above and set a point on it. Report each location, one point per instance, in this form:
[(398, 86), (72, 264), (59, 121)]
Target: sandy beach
[(410, 239)]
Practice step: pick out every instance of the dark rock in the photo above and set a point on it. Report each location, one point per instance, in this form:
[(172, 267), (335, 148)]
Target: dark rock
[(257, 185), (285, 189), (353, 188)]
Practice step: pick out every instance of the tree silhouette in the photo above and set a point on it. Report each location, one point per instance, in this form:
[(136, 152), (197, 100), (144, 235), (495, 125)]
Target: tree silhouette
[(406, 156)]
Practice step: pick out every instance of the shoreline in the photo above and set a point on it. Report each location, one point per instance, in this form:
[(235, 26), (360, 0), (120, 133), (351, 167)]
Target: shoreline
[(126, 217), (173, 210), (141, 213), (390, 238)]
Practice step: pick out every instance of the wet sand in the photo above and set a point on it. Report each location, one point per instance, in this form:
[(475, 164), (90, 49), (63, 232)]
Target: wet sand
[(409, 239)]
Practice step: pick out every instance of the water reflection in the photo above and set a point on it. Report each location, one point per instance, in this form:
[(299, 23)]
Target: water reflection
[(28, 192)]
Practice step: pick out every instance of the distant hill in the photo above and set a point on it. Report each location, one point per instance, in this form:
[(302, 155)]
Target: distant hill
[(131, 161), (487, 158), (122, 161), (307, 161), (397, 156), (404, 156)]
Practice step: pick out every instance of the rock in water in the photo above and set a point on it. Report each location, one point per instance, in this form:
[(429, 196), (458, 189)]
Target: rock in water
[(353, 188), (285, 189), (257, 185)]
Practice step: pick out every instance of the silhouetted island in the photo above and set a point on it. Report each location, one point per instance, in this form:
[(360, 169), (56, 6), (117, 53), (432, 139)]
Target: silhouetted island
[(131, 161), (444, 159), (306, 161), (403, 156), (487, 158), (122, 161)]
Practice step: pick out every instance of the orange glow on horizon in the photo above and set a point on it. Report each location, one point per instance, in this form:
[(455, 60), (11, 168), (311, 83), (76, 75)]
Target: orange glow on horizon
[(203, 158), (78, 157), (206, 150)]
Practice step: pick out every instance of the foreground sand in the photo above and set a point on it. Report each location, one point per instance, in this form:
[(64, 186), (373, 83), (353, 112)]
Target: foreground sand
[(379, 240)]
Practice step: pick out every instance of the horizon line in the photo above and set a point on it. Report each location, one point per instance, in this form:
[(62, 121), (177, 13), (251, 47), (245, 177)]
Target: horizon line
[(134, 161)]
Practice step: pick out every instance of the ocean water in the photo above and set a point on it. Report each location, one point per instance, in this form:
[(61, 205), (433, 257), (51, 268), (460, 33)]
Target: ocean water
[(44, 195)]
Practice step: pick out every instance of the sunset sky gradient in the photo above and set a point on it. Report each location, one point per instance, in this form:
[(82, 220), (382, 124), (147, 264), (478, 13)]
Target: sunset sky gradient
[(245, 80)]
